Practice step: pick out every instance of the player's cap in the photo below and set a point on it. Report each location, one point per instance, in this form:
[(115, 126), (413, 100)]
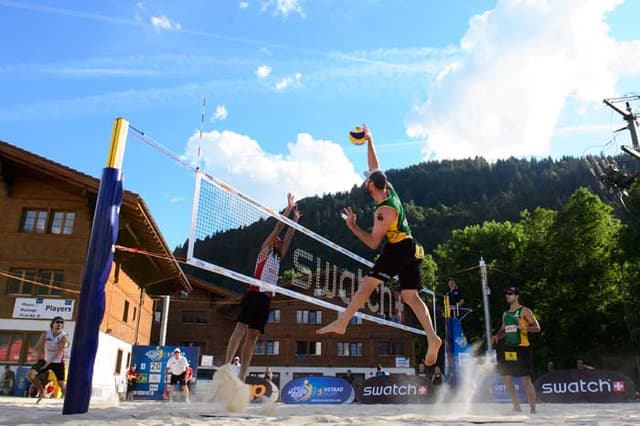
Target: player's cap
[(513, 290), (177, 350)]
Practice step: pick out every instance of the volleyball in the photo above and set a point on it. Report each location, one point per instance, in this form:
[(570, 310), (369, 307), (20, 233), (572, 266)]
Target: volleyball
[(357, 136)]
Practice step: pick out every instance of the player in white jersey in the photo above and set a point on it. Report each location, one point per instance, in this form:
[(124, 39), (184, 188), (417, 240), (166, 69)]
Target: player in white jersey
[(256, 304), (53, 343)]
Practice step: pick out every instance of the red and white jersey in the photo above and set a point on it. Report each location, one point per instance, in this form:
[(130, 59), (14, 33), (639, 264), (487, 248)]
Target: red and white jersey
[(267, 270)]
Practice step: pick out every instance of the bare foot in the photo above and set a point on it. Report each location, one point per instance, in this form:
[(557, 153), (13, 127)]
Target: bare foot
[(334, 327), (432, 354)]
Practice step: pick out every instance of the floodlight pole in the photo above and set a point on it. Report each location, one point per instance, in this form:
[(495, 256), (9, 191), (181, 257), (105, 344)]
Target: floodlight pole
[(486, 291), (629, 117)]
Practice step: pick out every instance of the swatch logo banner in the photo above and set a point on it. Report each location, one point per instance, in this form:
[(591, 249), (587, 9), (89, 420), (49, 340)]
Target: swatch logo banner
[(571, 386), (395, 390), (317, 390)]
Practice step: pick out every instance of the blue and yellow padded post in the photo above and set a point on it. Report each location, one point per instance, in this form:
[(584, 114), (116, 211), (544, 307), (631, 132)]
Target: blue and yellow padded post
[(104, 234)]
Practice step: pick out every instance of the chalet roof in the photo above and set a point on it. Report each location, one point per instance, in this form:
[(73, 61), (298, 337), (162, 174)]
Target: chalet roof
[(137, 227)]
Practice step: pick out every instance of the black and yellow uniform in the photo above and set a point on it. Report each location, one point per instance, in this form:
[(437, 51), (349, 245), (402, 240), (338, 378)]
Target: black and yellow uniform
[(401, 255), (514, 356)]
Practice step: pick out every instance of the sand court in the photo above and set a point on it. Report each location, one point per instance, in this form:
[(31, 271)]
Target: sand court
[(23, 411)]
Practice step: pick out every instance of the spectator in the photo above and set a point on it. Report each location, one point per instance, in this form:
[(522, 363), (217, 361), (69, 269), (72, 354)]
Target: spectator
[(177, 367), (421, 370), (436, 377), (235, 364), (349, 377), (550, 366), (456, 298), (268, 374), (380, 371), (8, 380), (132, 379)]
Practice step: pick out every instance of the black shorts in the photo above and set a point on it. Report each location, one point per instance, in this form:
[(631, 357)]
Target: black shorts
[(399, 259), (56, 367), (254, 310), (178, 378), (514, 361)]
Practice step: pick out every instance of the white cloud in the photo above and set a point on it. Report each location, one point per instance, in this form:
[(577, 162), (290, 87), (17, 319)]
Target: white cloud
[(221, 113), (283, 7), (519, 64), (244, 4), (287, 82), (163, 23), (263, 71), (309, 167)]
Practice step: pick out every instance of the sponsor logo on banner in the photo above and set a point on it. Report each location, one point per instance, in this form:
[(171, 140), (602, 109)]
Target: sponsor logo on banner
[(38, 308), (262, 390), (571, 386), (317, 390), (395, 390)]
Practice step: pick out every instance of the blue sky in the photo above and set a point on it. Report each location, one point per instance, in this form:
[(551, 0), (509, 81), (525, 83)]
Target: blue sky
[(285, 80)]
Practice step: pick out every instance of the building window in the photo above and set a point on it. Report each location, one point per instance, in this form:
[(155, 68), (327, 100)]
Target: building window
[(309, 317), (267, 347), (128, 364), (274, 316), (125, 313), (32, 282), (62, 222), (42, 221), (355, 321), (353, 349), (195, 317), (19, 282), (34, 221), (16, 347), (135, 311), (119, 362), (50, 283), (304, 348), (389, 348)]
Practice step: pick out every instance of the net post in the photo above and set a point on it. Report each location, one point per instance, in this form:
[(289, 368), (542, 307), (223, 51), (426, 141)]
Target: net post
[(91, 306), (194, 215)]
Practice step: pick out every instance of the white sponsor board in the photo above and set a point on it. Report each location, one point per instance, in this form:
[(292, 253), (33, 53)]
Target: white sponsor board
[(37, 308)]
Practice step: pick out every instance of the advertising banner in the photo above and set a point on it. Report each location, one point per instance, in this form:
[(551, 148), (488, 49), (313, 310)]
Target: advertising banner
[(493, 389), (151, 363), (37, 308), (584, 386), (317, 390), (397, 389), (262, 390), (22, 383)]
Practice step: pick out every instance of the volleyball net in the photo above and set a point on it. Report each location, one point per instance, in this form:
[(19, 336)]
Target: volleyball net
[(228, 228)]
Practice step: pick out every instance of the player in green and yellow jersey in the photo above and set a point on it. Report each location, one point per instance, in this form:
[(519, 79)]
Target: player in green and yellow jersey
[(400, 256), (514, 355)]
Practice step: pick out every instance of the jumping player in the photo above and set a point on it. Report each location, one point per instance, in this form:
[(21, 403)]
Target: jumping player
[(256, 304), (400, 256)]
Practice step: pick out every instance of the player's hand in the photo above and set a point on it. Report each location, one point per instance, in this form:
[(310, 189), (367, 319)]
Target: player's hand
[(349, 216), (367, 132), (296, 213), (291, 202)]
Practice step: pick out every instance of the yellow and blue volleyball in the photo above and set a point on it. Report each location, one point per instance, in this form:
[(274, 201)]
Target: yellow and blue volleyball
[(357, 136)]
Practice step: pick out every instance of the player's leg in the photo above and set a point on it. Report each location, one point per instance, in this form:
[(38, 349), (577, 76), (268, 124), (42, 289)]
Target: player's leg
[(339, 326)]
